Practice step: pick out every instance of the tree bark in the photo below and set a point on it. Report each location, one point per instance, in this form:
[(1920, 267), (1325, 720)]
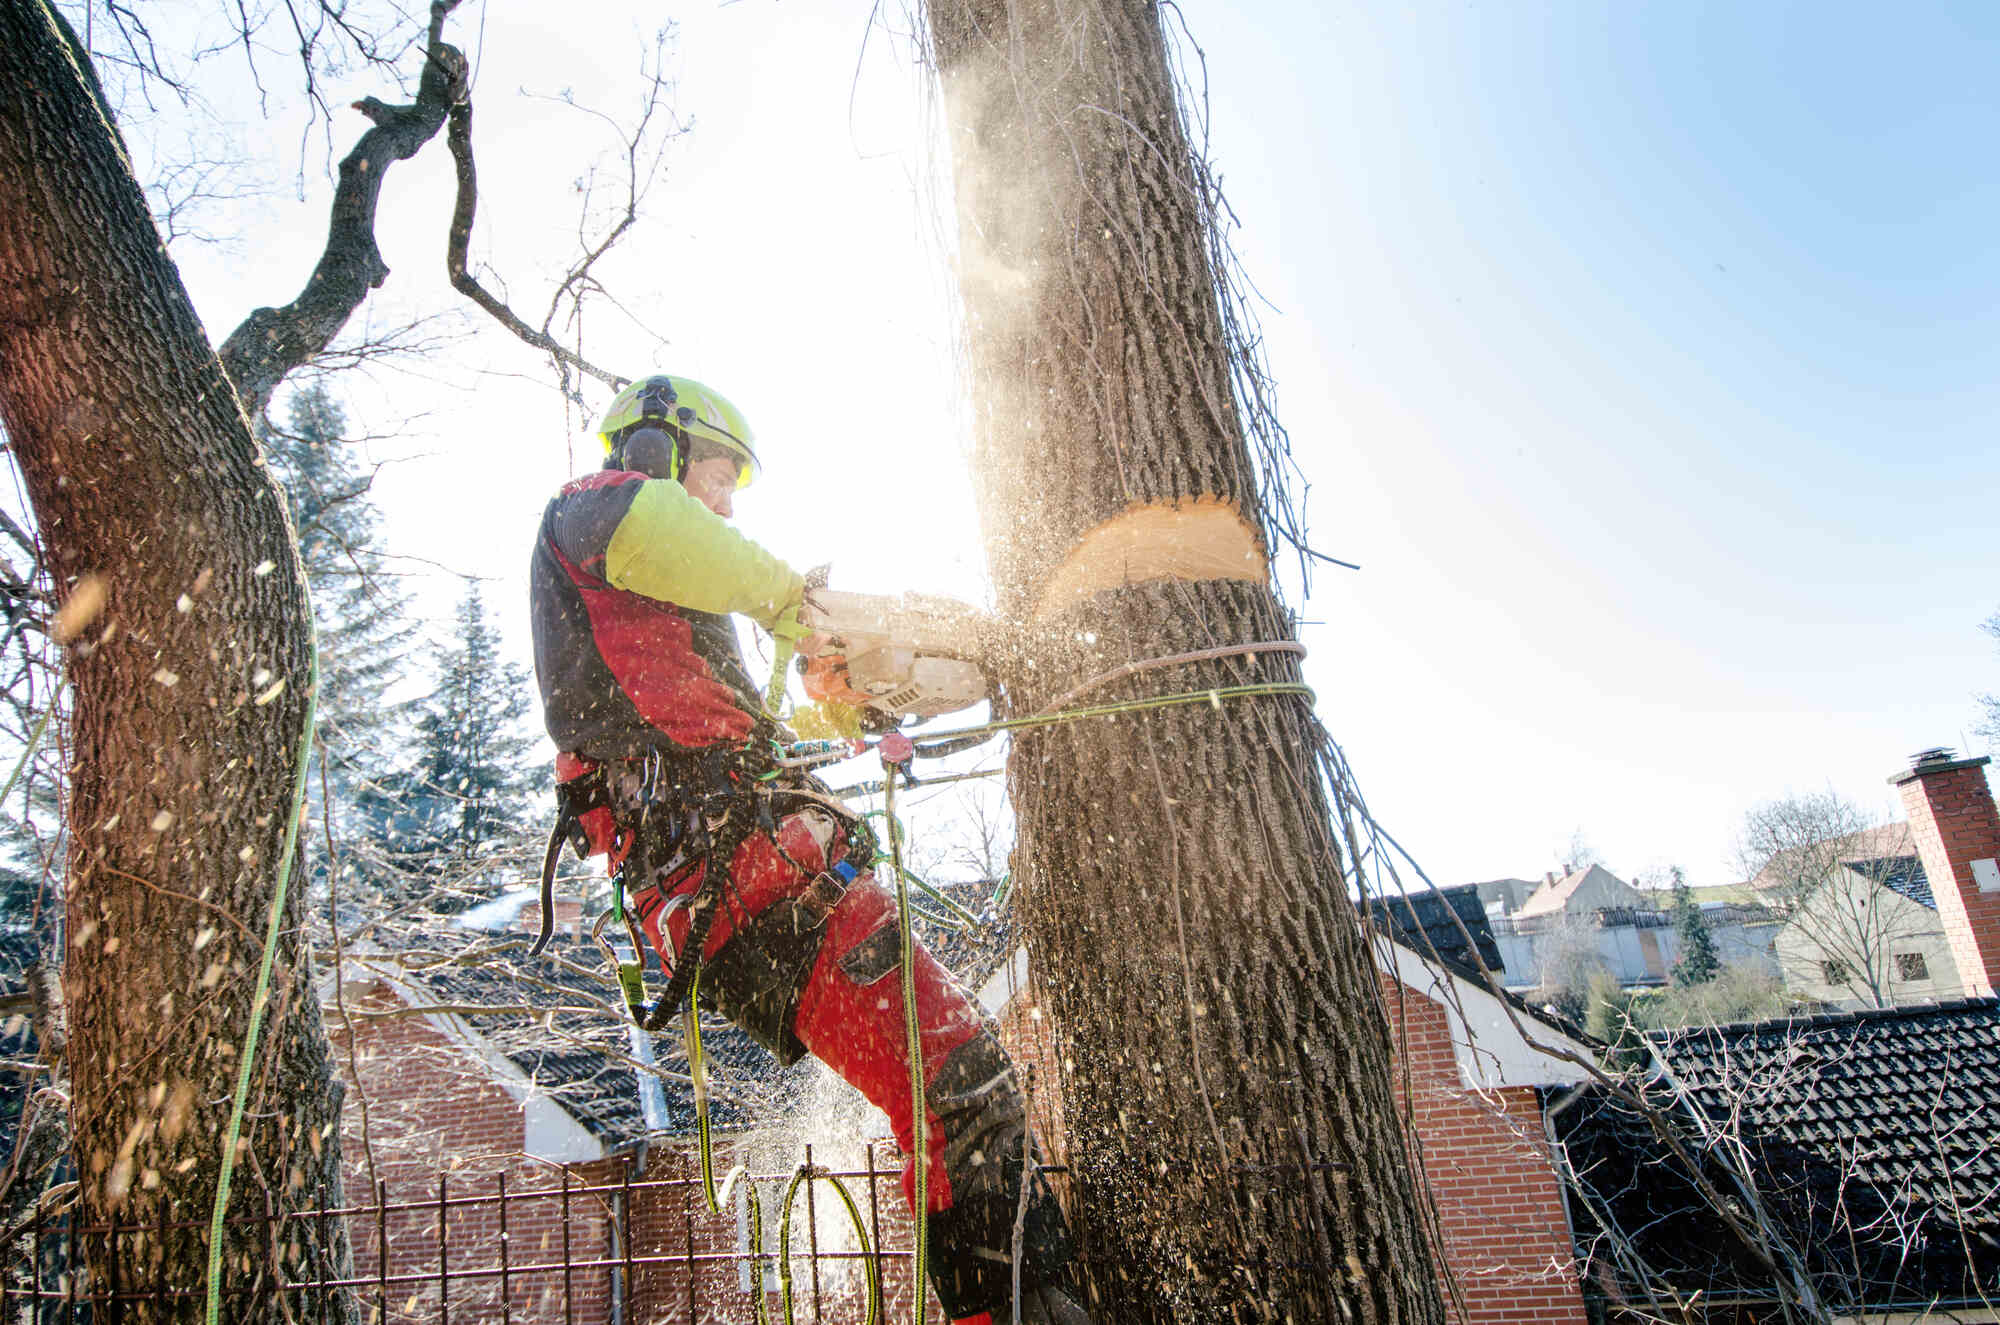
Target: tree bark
[(190, 694), (1235, 1143)]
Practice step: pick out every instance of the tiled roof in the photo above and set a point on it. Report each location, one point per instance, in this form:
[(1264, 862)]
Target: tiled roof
[(1899, 874), (1873, 1137), (582, 1054), (1424, 922), (1557, 894), (1908, 1097), (570, 1037)]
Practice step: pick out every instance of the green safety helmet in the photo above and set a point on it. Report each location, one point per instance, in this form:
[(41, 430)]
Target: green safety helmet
[(688, 410)]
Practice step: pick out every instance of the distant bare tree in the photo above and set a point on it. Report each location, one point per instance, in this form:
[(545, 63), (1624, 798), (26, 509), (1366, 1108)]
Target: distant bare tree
[(1819, 860), (1578, 854), (1990, 728)]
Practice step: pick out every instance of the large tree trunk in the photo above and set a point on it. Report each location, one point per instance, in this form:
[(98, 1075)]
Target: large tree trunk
[(1236, 1146), (190, 697)]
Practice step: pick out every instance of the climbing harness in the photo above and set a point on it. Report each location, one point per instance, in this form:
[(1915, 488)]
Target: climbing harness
[(896, 759)]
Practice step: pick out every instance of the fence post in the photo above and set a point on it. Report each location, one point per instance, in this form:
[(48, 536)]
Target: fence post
[(875, 1224), (69, 1276), (160, 1279), (323, 1256), (444, 1242), (569, 1317), (113, 1312), (506, 1294), (381, 1251), (631, 1279), (812, 1232), (35, 1271)]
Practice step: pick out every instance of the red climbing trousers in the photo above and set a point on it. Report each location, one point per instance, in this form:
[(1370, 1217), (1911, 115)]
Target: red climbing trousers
[(808, 959)]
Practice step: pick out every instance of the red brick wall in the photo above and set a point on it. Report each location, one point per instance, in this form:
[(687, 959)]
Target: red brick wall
[(433, 1111), (1953, 818), (432, 1108), (1499, 1203), (1500, 1206)]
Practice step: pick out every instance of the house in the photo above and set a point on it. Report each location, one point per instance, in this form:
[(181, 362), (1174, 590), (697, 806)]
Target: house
[(1502, 897), (1869, 936), (1582, 892), (1851, 1158), (1474, 1068), (564, 1105), (1591, 920)]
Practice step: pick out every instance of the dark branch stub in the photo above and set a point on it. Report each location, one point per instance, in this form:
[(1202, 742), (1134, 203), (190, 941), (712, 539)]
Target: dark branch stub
[(272, 342), (459, 137)]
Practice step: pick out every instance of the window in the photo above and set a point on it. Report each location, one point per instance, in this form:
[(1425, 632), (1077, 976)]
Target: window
[(1911, 966), (1835, 971)]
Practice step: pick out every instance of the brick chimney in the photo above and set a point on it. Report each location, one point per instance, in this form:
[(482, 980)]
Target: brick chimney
[(1957, 830)]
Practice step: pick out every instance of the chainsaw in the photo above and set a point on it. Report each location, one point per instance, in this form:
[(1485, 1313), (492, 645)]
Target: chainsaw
[(896, 656)]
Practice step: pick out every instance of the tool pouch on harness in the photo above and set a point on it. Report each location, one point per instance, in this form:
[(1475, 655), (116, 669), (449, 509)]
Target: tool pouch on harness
[(759, 977)]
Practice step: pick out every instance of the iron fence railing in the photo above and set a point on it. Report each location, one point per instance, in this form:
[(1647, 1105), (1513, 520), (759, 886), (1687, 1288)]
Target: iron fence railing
[(619, 1251)]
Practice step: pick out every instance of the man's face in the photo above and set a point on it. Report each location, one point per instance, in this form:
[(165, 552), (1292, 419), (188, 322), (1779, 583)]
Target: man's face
[(711, 477)]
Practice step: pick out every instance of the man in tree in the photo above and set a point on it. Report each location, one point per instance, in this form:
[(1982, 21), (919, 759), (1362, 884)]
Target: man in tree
[(750, 877)]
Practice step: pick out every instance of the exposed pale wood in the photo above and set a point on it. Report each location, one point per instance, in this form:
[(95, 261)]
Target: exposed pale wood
[(1205, 539)]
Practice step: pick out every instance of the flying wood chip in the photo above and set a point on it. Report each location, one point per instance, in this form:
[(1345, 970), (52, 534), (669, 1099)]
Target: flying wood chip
[(78, 610)]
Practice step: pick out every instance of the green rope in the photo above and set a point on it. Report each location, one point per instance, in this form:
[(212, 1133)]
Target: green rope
[(698, 1078), (804, 1175), (698, 1075), (914, 1052), (35, 736), (1213, 696), (247, 1058)]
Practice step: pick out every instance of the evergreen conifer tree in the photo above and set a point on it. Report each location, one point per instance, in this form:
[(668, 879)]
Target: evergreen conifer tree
[(1698, 963), (360, 616), (469, 796)]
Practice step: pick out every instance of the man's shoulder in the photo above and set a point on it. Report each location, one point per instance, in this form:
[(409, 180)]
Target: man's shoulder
[(599, 479)]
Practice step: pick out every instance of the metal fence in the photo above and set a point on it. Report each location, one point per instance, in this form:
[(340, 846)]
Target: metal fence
[(628, 1250)]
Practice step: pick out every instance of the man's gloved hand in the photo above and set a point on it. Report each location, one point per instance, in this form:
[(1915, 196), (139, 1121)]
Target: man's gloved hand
[(828, 720), (826, 678)]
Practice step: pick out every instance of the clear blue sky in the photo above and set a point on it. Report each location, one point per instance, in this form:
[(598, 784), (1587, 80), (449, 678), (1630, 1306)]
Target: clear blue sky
[(1644, 356)]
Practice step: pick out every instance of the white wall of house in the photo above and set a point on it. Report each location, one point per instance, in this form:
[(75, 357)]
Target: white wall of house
[(1635, 955), (1853, 923), (1746, 944)]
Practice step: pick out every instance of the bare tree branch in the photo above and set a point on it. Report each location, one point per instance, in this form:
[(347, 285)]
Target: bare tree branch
[(271, 342), (641, 151), (459, 137)]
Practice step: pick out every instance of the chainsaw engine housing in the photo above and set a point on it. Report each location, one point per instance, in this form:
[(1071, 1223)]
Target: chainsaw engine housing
[(911, 654)]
